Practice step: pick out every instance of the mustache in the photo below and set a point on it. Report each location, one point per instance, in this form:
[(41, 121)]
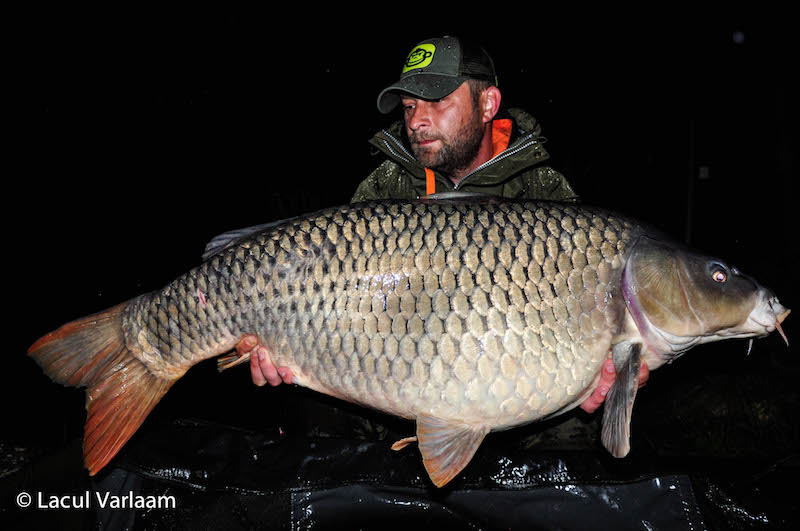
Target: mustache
[(416, 138)]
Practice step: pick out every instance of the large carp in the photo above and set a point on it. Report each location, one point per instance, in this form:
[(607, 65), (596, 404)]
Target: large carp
[(467, 315)]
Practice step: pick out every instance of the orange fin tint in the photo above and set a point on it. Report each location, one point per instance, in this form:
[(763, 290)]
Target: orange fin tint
[(231, 360), (447, 447), (91, 352), (402, 443)]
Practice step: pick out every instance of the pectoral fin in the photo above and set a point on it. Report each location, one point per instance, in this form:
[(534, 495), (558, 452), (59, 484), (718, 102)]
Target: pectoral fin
[(447, 447), (616, 430)]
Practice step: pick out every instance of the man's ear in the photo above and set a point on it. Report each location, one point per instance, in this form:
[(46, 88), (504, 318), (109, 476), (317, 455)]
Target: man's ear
[(490, 99)]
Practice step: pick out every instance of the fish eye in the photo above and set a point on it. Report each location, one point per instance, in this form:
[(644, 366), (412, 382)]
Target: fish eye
[(718, 271)]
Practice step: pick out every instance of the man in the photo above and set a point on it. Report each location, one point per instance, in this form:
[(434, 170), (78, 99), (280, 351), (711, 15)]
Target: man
[(452, 137)]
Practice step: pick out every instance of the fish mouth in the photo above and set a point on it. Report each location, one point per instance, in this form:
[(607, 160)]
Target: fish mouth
[(767, 317)]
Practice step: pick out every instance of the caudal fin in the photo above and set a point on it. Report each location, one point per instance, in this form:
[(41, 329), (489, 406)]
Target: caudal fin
[(121, 391)]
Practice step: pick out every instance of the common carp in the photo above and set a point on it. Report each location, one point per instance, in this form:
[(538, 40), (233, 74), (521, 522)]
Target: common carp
[(467, 315)]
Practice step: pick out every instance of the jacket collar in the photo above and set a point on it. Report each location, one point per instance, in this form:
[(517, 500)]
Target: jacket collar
[(524, 149)]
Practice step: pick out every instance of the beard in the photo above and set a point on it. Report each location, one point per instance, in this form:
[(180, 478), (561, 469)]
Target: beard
[(457, 152)]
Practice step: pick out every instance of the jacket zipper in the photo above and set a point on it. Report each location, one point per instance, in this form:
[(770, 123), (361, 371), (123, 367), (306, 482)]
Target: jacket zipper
[(399, 145), (523, 143)]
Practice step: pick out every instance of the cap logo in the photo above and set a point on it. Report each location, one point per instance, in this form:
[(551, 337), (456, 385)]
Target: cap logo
[(420, 57)]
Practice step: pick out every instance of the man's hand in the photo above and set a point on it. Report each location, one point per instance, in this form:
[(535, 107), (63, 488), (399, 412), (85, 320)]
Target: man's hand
[(262, 369), (607, 376)]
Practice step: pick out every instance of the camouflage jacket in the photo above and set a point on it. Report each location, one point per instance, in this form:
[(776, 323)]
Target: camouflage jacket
[(517, 172)]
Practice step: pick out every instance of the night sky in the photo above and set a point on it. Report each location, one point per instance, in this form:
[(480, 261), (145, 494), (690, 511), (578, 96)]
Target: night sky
[(143, 135)]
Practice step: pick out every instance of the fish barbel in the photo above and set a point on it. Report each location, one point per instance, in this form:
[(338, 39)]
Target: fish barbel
[(467, 315)]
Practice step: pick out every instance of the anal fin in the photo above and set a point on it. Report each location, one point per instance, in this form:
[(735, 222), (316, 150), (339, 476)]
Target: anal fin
[(447, 447), (616, 432)]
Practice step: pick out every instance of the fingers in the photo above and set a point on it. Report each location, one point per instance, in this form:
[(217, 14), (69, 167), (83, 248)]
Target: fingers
[(591, 404), (263, 371), (607, 376), (286, 374), (255, 369), (245, 345)]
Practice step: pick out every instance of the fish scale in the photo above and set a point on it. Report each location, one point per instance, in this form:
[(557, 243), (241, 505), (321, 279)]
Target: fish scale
[(467, 347), (467, 315)]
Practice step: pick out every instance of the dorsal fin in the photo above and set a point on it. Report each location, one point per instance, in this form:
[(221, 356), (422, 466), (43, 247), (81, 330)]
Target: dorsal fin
[(227, 239), (452, 196)]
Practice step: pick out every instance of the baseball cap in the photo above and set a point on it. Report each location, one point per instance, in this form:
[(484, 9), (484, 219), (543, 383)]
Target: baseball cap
[(437, 67)]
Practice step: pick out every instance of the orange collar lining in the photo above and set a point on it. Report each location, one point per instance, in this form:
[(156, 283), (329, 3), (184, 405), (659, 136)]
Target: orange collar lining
[(501, 136)]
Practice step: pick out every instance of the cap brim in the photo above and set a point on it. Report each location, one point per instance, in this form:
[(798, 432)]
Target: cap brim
[(421, 85)]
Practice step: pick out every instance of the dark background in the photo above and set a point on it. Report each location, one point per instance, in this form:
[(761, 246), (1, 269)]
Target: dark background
[(141, 135)]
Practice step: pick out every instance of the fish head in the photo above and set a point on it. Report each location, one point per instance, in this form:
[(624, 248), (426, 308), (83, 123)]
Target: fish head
[(679, 298)]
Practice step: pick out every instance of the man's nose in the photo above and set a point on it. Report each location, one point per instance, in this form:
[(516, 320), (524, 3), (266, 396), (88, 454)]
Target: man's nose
[(419, 116)]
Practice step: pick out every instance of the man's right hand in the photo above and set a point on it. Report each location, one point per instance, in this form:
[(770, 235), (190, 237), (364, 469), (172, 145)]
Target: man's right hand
[(262, 369)]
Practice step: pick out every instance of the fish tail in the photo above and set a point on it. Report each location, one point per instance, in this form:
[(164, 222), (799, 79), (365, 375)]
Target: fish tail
[(121, 390)]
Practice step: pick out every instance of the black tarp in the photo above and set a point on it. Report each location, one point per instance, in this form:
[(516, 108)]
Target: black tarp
[(314, 473)]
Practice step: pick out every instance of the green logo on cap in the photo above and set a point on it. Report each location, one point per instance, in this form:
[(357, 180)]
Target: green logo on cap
[(420, 57)]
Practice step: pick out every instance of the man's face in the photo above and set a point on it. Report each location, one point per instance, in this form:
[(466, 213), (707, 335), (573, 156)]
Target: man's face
[(444, 134)]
